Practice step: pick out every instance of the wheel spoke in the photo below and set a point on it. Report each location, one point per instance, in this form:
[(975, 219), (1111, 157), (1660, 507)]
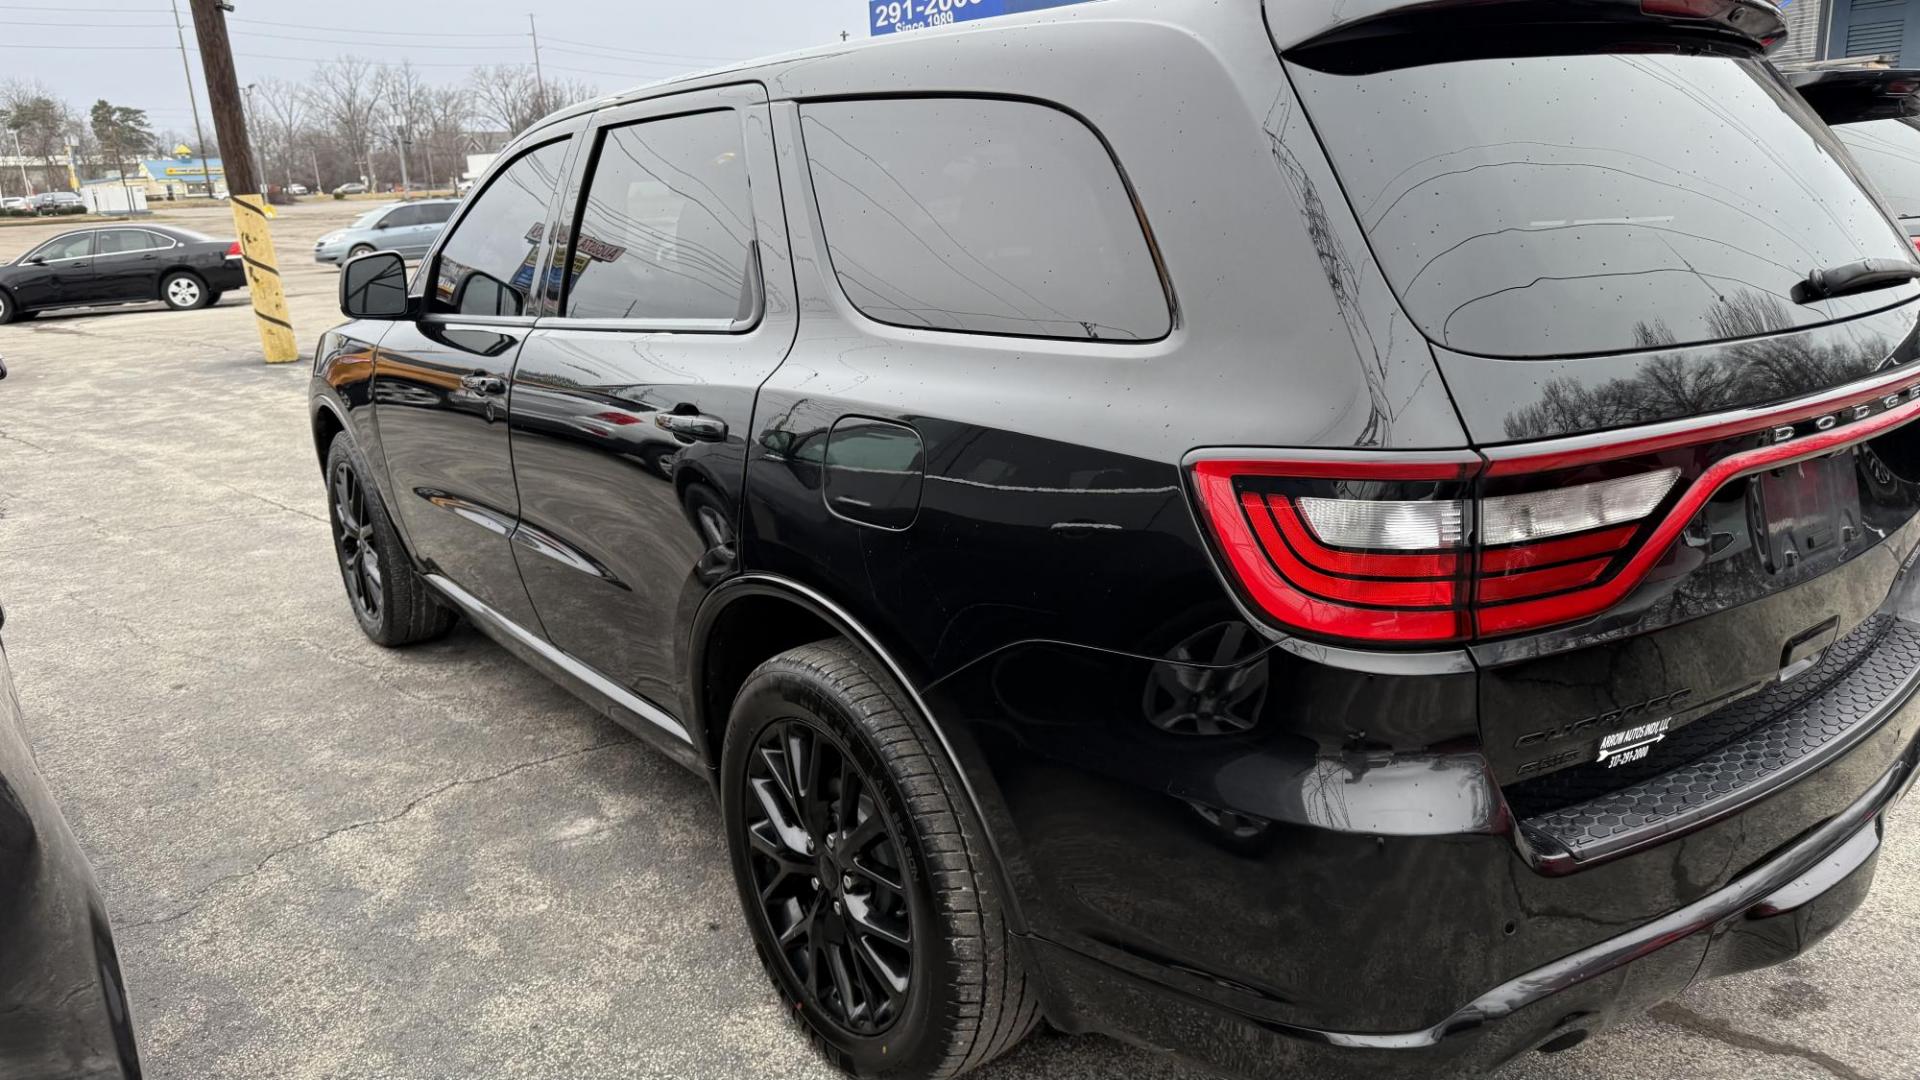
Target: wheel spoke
[(842, 979), (884, 877), (892, 983), (783, 821), (860, 916), (862, 836)]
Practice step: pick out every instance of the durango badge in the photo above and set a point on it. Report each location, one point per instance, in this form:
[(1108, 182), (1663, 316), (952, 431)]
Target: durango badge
[(1632, 744)]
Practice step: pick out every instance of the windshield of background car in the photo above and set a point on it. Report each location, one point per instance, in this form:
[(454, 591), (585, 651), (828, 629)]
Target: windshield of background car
[(1579, 204), (1888, 151)]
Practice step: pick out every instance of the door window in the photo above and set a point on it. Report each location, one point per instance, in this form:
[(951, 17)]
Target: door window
[(666, 231), (71, 246), (486, 266), (983, 216), (126, 241), (435, 213), (401, 217)]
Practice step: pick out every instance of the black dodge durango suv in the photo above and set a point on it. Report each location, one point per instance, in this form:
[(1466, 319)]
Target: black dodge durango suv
[(1342, 538)]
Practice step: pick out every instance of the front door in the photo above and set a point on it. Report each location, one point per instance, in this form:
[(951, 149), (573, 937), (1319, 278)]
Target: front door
[(440, 385), (631, 407), (64, 274)]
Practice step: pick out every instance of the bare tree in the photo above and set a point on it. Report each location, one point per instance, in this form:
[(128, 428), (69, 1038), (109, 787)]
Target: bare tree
[(506, 96), (447, 112), (347, 93), (286, 109)]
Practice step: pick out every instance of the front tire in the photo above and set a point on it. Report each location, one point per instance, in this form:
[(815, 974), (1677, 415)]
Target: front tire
[(863, 872), (390, 600), (183, 291), (8, 312), (359, 250)]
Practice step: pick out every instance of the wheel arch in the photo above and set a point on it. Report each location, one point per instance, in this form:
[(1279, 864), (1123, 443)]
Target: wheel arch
[(327, 423), (739, 625)]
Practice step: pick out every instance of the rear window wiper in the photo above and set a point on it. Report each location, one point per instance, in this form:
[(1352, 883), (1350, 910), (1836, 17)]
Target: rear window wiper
[(1855, 277)]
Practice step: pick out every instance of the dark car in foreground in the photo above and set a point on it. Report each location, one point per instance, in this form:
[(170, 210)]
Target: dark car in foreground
[(121, 264), (1383, 547), (63, 1005)]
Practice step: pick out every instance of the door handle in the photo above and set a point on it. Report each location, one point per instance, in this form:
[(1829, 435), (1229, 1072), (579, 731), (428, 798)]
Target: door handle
[(482, 383), (693, 425)]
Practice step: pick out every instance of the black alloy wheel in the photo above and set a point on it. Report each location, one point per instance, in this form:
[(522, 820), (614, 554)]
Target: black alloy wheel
[(830, 876), (864, 873), (353, 541), (393, 604)]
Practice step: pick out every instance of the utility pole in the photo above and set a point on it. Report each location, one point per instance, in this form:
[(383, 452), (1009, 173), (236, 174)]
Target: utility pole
[(539, 79), (206, 170), (249, 209), (20, 159)]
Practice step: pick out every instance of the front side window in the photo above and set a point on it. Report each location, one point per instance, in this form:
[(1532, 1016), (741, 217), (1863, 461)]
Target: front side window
[(435, 213), (981, 216), (401, 217), (486, 266), (666, 230), (73, 246)]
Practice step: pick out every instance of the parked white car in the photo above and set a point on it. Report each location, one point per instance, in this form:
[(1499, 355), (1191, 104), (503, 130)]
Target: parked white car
[(296, 189)]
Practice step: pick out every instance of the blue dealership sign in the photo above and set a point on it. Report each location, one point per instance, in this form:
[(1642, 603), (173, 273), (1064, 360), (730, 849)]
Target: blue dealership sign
[(893, 16)]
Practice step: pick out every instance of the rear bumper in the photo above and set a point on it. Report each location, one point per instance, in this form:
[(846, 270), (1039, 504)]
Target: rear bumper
[(1773, 912)]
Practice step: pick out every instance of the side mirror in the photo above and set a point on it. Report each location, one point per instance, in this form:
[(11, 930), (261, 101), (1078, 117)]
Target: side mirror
[(374, 287), (36, 260)]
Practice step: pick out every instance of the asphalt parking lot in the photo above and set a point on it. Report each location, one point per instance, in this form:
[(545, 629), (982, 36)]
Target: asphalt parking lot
[(326, 859)]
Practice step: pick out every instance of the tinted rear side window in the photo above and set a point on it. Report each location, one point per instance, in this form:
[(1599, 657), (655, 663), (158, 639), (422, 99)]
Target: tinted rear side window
[(1889, 153), (991, 217), (666, 232), (1561, 205)]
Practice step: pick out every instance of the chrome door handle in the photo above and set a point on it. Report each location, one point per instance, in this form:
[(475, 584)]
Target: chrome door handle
[(693, 426), (482, 383)]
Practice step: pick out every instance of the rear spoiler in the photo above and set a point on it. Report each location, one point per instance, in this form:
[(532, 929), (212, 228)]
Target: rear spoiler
[(1317, 23), (1851, 95)]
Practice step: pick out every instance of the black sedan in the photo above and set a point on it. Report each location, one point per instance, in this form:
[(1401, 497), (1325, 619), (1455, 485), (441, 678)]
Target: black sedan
[(63, 1006), (120, 264)]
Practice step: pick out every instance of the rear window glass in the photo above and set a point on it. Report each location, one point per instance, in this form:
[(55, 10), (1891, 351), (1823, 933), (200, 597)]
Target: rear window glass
[(989, 217), (1563, 205), (1889, 153)]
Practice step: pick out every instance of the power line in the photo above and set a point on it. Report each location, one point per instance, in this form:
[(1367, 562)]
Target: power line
[(355, 30), (645, 52), (363, 44), (618, 59)]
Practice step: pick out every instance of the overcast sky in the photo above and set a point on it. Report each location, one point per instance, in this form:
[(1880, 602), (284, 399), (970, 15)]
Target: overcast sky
[(125, 50)]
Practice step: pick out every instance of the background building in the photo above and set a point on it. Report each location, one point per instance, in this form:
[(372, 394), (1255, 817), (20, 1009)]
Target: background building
[(1831, 29), (179, 177)]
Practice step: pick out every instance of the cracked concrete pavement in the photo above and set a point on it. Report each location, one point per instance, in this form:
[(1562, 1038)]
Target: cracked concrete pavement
[(326, 859)]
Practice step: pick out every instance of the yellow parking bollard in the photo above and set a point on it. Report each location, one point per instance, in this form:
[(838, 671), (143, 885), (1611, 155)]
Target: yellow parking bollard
[(250, 214)]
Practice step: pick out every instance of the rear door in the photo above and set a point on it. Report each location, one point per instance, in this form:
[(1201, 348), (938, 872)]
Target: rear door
[(429, 220), (440, 384), (633, 403), (126, 264)]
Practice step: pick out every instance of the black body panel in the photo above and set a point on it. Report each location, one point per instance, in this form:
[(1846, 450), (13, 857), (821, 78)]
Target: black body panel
[(63, 1005)]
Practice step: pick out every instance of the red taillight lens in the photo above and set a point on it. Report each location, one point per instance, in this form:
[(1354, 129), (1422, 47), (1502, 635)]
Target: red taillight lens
[(233, 250), (1431, 548), (1348, 549)]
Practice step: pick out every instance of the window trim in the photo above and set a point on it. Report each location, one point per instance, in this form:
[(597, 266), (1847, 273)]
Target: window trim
[(825, 245), (428, 274), (736, 99)]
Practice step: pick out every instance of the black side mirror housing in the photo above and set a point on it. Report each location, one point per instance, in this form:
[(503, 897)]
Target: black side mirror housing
[(374, 286), (36, 260)]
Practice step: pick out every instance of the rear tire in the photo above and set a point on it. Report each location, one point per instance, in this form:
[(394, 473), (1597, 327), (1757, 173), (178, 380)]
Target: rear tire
[(833, 884), (184, 291), (392, 603), (8, 312)]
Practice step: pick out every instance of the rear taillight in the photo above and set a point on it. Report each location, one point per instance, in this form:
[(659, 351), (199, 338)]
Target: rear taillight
[(1433, 548), (233, 250)]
